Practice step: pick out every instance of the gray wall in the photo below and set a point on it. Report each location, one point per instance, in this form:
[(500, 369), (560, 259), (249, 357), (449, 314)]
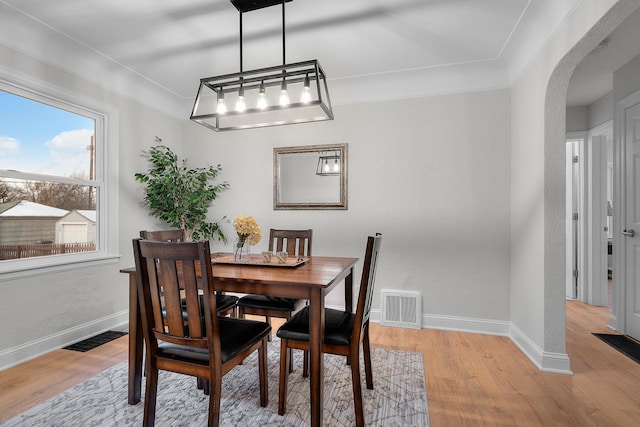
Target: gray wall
[(441, 200), (588, 117), (601, 111), (577, 119)]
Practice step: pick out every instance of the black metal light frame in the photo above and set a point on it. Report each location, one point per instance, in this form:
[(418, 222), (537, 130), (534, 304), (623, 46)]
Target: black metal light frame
[(267, 81)]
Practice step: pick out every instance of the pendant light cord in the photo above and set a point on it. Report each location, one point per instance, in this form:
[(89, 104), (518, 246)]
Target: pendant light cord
[(283, 36), (241, 70)]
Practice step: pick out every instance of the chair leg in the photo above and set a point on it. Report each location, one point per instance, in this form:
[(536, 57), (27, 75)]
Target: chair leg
[(357, 390), (203, 384), (240, 316), (366, 348), (290, 360), (268, 320), (262, 373), (151, 393), (305, 367), (284, 377), (214, 402)]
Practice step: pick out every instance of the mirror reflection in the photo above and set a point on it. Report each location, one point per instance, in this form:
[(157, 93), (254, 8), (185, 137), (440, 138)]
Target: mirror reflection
[(310, 177)]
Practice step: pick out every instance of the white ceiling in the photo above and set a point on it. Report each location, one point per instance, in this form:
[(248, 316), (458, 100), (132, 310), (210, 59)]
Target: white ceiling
[(157, 50), (593, 77)]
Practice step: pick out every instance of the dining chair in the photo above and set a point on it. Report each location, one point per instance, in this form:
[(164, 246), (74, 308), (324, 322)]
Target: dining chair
[(226, 303), (295, 243), (202, 344), (343, 333)]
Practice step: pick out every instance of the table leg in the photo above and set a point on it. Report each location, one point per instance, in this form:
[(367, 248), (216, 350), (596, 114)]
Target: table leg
[(135, 344), (316, 359)]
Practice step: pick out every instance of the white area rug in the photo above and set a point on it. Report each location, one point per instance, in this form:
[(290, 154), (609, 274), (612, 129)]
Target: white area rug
[(399, 397)]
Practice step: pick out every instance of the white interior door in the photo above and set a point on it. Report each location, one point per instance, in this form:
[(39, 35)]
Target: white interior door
[(631, 221), (596, 245)]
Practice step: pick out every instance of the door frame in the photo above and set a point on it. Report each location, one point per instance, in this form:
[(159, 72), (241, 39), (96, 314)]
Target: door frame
[(618, 319), (591, 258), (597, 289)]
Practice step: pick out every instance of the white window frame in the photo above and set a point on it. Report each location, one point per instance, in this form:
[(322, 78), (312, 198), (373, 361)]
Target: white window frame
[(106, 179)]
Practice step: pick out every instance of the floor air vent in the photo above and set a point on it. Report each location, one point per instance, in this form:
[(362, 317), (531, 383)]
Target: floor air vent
[(402, 309)]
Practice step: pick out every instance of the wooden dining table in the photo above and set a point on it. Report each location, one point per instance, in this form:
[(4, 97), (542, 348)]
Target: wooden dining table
[(313, 279)]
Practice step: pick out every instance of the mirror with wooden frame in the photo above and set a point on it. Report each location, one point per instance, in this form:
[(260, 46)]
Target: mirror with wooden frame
[(310, 177)]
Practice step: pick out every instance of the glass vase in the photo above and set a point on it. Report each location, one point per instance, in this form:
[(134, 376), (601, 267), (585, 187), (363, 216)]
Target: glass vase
[(241, 250)]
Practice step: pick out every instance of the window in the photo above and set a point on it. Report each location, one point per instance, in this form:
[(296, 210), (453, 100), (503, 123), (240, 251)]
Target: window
[(56, 194)]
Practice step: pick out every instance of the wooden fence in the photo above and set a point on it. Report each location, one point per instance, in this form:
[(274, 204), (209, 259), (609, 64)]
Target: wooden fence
[(43, 249)]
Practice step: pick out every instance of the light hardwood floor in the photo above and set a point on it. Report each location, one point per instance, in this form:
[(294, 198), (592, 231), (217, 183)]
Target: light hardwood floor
[(472, 379)]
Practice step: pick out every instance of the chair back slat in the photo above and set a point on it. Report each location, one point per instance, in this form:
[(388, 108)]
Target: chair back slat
[(166, 271), (365, 295), (154, 290), (295, 242), (191, 296)]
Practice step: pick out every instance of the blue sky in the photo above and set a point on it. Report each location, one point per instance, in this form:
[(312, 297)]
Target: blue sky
[(35, 137)]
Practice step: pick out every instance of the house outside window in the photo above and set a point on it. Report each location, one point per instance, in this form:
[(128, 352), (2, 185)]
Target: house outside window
[(58, 178)]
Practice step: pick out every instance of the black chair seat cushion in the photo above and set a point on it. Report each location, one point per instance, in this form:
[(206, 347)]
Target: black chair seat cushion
[(270, 303), (235, 336), (338, 326), (225, 302)]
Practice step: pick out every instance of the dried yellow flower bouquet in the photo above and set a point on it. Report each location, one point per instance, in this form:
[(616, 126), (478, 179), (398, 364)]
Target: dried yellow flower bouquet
[(247, 229)]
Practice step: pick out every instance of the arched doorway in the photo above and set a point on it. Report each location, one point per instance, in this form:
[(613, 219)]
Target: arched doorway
[(554, 137)]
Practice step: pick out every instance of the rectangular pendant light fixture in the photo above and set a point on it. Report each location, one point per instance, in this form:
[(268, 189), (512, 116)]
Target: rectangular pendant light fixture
[(272, 96)]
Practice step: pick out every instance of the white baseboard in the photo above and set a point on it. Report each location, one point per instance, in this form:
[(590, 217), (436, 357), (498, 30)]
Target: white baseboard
[(545, 361), (613, 322), (459, 324), (32, 349)]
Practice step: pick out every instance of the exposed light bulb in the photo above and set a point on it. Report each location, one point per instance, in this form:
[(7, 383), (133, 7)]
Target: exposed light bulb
[(284, 98), (240, 103), (336, 166), (284, 95), (305, 98), (222, 106), (262, 98), (326, 165)]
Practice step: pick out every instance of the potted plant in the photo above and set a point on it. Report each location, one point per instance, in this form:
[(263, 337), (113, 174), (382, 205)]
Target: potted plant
[(181, 196)]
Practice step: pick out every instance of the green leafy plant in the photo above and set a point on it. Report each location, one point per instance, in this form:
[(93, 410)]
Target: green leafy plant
[(181, 196)]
